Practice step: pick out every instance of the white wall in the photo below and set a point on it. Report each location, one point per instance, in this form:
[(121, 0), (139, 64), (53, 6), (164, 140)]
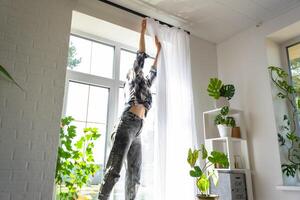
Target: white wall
[(243, 60), (33, 47), (204, 67)]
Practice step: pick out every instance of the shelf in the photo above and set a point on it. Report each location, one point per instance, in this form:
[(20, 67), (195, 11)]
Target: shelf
[(232, 170), (288, 188), (236, 149), (232, 111), (227, 138)]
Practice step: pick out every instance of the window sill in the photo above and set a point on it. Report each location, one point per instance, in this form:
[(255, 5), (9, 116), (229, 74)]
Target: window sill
[(288, 188)]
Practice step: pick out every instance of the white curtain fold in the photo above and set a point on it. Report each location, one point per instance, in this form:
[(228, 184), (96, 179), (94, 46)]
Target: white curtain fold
[(176, 125)]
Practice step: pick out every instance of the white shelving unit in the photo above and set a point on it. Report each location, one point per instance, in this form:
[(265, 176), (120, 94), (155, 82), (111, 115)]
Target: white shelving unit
[(233, 147)]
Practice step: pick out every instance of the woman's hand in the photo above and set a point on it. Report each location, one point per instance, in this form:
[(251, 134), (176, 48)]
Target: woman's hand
[(144, 25)]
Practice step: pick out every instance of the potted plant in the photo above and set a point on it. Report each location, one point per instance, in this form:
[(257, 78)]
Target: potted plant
[(220, 92), (288, 139), (207, 172), (224, 122), (75, 161)]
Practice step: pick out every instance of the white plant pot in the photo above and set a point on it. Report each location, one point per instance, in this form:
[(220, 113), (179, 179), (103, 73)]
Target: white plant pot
[(224, 131), (221, 102), (289, 180)]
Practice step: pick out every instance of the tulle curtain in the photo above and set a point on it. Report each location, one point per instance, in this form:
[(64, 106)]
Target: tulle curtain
[(175, 116)]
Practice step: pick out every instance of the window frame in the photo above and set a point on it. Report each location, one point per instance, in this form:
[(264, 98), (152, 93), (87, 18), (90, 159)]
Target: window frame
[(286, 66)]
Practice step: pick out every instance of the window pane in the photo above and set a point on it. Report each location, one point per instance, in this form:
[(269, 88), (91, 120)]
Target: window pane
[(294, 61), (121, 101), (90, 57), (102, 60), (79, 129), (100, 143), (77, 101), (126, 62), (79, 54), (294, 56), (88, 104), (98, 100)]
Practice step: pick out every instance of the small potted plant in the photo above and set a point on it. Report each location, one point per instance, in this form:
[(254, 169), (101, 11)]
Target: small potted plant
[(207, 172), (224, 122), (220, 92)]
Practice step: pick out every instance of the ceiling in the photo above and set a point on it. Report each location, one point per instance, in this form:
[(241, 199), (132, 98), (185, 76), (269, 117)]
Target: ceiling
[(213, 20)]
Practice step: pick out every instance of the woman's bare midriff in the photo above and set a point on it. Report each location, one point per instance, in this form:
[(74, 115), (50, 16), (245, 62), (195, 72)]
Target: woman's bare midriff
[(139, 110)]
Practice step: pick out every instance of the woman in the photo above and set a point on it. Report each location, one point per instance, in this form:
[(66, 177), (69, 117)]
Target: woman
[(127, 143)]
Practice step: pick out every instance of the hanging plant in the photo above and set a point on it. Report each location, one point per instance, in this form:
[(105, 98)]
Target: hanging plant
[(287, 137)]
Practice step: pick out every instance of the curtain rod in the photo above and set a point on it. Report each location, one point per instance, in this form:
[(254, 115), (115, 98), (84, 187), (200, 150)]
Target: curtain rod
[(137, 13)]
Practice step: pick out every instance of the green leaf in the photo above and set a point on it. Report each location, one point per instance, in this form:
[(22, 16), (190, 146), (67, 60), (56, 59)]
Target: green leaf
[(289, 169), (79, 143), (230, 122), (225, 110), (214, 88), (197, 172), (192, 157), (203, 183), (215, 177), (281, 95), (227, 91), (72, 60), (279, 71), (292, 136), (204, 152), (219, 158), (8, 76)]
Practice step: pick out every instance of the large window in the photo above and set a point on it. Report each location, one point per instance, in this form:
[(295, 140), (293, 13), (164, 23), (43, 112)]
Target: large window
[(96, 75)]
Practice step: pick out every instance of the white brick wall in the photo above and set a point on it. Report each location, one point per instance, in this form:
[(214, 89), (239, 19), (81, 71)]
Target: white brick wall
[(33, 47)]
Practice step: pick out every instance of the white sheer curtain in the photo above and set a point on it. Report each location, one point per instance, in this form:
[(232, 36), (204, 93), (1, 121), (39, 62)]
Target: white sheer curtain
[(175, 116)]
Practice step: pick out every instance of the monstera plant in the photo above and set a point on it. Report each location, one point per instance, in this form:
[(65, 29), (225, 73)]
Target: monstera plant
[(222, 93), (217, 89), (224, 122), (203, 174), (288, 138)]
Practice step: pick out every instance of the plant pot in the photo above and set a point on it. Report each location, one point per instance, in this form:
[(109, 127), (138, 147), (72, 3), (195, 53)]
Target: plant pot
[(224, 131), (298, 175), (84, 197), (209, 197), (221, 102), (236, 132), (290, 181)]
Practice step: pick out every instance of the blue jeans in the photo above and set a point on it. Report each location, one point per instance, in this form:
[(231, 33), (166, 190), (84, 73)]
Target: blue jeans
[(127, 145)]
